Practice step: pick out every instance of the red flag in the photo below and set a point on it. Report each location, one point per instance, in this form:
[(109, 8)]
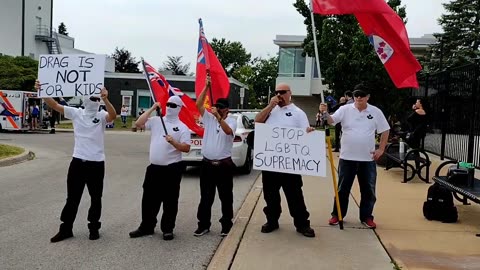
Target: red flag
[(386, 32), (207, 62), (330, 7), (162, 90)]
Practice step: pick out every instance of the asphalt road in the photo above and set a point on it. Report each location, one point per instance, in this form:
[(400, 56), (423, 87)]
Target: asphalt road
[(32, 195)]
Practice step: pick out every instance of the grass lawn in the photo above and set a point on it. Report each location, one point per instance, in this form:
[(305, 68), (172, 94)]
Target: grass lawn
[(9, 151), (117, 124)]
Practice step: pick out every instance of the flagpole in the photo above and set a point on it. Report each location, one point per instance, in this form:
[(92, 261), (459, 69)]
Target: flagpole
[(317, 59), (205, 53), (159, 113)]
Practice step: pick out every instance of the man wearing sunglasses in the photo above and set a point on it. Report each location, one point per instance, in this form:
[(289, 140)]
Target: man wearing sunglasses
[(360, 121), (217, 164), (88, 163), (164, 174), (282, 112)]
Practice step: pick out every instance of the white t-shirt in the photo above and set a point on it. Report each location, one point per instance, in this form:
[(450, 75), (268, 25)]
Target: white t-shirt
[(288, 116), (358, 127), (89, 134), (162, 152), (216, 144), (124, 111)]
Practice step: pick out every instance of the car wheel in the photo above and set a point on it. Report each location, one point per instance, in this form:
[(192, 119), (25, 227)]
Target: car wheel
[(248, 165)]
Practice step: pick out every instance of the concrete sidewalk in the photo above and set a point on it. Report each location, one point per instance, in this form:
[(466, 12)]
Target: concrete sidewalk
[(403, 234)]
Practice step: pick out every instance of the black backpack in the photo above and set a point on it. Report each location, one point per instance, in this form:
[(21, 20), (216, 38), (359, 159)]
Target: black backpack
[(439, 205)]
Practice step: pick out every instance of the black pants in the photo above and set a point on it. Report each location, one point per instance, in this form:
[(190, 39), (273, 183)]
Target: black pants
[(338, 133), (81, 173), (216, 177), (292, 187), (161, 185)]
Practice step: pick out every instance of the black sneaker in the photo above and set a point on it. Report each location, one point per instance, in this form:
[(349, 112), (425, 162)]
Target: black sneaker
[(201, 231), (94, 235), (139, 233), (306, 231), (61, 235), (168, 236), (225, 231), (269, 227)]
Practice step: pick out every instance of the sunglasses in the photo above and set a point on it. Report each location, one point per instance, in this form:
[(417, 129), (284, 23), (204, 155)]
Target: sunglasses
[(281, 92), (172, 105), (94, 99), (359, 96)]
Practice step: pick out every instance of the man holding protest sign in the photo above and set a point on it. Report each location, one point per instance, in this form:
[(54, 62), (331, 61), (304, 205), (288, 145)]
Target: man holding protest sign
[(217, 164), (359, 122), (163, 175), (88, 163), (282, 112)]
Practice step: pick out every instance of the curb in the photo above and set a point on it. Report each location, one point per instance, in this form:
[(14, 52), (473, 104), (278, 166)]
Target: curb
[(225, 253), (26, 155)]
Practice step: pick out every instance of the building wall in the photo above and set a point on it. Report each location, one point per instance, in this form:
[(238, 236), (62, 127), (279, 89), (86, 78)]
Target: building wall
[(11, 27), (37, 13)]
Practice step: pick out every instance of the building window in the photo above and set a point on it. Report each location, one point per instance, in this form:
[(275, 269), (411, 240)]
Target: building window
[(291, 63)]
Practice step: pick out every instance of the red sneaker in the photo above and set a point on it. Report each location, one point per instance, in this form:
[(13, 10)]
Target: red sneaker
[(369, 223), (333, 220)]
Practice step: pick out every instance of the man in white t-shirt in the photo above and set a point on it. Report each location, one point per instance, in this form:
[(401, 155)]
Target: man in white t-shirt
[(360, 121), (88, 163), (217, 164), (282, 112), (164, 174), (123, 115)]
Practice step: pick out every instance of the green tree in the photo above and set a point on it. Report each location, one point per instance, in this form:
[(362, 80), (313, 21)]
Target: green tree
[(174, 64), (18, 73), (347, 58), (124, 61), (260, 76), (62, 29), (232, 55), (460, 41)]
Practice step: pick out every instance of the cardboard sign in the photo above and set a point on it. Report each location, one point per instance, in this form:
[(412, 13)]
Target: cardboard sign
[(289, 150), (70, 75)]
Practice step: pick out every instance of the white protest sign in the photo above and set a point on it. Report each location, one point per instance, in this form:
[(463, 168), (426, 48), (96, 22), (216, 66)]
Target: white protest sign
[(289, 150), (69, 75)]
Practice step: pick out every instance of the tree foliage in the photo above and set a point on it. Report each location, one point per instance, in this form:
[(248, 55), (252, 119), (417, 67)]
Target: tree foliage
[(259, 75), (175, 65), (124, 61), (17, 73), (231, 54), (62, 29), (347, 58), (459, 43)]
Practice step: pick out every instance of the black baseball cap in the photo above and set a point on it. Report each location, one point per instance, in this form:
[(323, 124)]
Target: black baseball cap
[(221, 103), (360, 90)]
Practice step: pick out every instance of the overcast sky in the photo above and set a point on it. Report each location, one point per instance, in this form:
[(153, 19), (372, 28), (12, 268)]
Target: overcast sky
[(155, 29)]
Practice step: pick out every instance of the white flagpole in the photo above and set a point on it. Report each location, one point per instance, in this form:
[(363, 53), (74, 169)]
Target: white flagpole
[(317, 59)]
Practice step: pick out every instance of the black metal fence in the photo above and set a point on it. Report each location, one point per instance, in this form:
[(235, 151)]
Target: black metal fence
[(454, 98)]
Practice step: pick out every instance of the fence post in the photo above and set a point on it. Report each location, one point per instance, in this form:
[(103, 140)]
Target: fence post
[(444, 114), (427, 79), (471, 133)]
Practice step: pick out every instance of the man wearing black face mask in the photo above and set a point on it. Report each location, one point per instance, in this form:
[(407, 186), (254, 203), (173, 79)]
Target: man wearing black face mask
[(88, 165), (217, 164), (163, 175)]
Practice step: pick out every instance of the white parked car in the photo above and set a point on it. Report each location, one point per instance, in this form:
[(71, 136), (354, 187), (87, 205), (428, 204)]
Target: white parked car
[(241, 152)]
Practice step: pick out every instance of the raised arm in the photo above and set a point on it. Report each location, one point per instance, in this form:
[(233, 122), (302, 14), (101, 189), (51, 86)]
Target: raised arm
[(112, 114), (50, 101), (140, 123), (262, 116), (201, 98)]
